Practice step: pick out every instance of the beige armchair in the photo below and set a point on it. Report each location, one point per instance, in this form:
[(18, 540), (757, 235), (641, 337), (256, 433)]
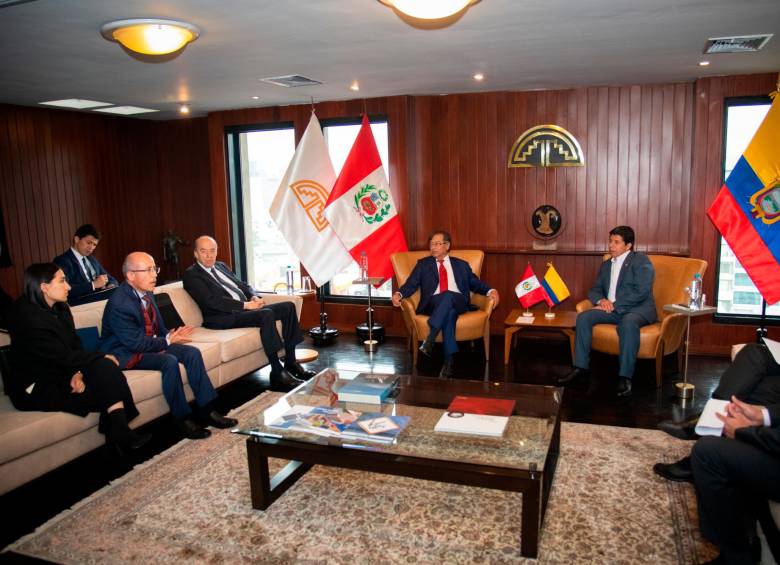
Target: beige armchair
[(471, 325), (672, 276)]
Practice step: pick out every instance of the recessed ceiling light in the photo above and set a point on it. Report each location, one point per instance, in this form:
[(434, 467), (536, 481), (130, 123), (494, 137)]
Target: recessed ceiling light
[(125, 110), (354, 86), (479, 76), (184, 109), (255, 98), (703, 63), (76, 103)]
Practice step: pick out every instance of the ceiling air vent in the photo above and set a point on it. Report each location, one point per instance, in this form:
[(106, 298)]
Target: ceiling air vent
[(737, 44), (290, 81)]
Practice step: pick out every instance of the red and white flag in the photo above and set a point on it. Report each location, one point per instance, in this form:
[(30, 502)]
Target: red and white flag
[(529, 291), (361, 208), (299, 205)]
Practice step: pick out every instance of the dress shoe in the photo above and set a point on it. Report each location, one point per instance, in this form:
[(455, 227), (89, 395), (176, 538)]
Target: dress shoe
[(284, 381), (217, 420), (624, 387), (448, 369), (298, 371), (427, 346), (680, 471), (129, 443), (575, 373), (680, 430), (191, 430)]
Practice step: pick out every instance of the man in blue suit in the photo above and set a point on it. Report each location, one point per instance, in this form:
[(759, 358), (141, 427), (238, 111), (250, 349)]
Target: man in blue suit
[(87, 278), (135, 333), (445, 285), (622, 295)]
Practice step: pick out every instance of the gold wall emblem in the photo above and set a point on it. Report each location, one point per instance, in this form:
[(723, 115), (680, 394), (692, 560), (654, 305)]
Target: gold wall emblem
[(312, 197), (546, 146)]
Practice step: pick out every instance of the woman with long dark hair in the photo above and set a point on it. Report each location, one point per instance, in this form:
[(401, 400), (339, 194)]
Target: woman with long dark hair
[(51, 371)]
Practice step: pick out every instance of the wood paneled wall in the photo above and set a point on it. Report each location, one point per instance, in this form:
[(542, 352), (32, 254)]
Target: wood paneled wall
[(134, 179)]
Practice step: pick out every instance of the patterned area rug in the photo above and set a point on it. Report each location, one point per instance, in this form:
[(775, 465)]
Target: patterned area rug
[(191, 504)]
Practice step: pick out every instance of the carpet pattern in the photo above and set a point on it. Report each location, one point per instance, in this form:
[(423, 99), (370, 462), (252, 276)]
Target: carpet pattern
[(191, 504)]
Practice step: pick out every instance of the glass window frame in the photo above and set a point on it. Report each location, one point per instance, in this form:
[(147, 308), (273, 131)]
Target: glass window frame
[(731, 318)]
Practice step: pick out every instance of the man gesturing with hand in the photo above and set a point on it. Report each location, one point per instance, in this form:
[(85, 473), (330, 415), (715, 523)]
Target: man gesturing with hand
[(134, 331)]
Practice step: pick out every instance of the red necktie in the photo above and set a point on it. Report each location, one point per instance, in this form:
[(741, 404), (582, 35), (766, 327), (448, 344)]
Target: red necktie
[(443, 286)]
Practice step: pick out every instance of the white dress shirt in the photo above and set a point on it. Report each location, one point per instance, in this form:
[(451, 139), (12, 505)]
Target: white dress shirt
[(617, 264), (451, 284)]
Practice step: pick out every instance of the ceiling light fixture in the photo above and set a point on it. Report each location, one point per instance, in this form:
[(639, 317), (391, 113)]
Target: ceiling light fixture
[(184, 109), (479, 76), (704, 63), (432, 14), (255, 98), (354, 86), (150, 36)]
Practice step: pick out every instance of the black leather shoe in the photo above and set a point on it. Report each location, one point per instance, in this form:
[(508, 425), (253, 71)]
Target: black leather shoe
[(284, 381), (680, 471), (575, 373), (191, 430), (448, 369), (129, 443), (217, 420), (427, 347), (624, 387), (680, 430), (298, 371)]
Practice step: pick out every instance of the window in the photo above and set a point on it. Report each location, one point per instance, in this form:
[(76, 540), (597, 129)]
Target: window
[(737, 297), (257, 161), (340, 135)]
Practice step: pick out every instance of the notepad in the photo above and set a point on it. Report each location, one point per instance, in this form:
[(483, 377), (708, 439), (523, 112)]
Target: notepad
[(709, 424)]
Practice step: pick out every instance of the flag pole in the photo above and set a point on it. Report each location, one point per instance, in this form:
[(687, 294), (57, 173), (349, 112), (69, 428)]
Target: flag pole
[(549, 314), (322, 334)]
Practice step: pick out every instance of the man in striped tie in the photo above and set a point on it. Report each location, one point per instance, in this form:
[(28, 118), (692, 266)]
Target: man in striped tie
[(445, 284), (88, 279), (228, 302)]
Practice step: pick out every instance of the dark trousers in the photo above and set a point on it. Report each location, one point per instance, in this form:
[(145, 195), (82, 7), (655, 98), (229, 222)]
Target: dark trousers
[(444, 309), (104, 386), (265, 318), (753, 377), (167, 362), (732, 479), (628, 336)]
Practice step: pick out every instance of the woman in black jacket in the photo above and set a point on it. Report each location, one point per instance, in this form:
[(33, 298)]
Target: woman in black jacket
[(51, 371)]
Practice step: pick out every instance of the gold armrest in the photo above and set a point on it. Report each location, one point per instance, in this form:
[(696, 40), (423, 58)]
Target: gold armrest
[(583, 306), (482, 302)]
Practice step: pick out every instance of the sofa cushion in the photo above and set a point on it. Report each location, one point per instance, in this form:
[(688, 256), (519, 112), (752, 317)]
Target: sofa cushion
[(234, 343), (89, 338), (23, 432), (88, 315)]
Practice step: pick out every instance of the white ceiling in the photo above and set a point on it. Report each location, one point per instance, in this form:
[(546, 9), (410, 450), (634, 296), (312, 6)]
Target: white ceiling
[(52, 49)]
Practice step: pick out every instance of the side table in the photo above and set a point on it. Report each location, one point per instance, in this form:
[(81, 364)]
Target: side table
[(564, 322), (684, 388)]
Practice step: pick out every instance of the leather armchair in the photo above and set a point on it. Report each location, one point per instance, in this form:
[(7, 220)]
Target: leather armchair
[(471, 325), (672, 276)]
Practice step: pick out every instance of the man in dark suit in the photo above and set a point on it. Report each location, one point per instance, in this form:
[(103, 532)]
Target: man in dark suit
[(445, 285), (134, 332), (87, 278), (228, 302), (735, 474), (622, 294)]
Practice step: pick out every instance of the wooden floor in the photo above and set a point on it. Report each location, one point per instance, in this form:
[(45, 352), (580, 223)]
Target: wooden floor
[(536, 360)]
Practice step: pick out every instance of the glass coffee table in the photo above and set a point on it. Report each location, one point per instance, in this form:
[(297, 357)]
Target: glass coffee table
[(522, 460)]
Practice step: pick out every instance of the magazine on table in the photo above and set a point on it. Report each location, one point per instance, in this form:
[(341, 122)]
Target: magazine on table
[(337, 422)]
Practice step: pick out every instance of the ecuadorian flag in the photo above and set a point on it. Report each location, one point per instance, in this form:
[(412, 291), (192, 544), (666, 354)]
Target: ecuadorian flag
[(554, 286), (746, 211)]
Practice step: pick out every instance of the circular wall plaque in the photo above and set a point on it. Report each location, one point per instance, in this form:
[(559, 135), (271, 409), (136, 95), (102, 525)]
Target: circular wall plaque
[(546, 221)]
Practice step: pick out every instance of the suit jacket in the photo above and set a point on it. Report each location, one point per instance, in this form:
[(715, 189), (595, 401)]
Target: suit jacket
[(123, 326), (213, 300), (80, 285), (765, 438), (634, 293), (425, 276), (45, 349)]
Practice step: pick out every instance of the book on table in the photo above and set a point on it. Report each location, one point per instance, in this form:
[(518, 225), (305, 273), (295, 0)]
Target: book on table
[(476, 415), (368, 388), (709, 424), (482, 405)]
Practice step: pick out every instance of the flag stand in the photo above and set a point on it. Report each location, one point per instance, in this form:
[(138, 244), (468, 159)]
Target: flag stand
[(549, 314), (761, 330), (528, 313), (322, 334)]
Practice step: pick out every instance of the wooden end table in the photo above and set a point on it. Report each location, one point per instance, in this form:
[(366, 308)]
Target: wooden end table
[(563, 322)]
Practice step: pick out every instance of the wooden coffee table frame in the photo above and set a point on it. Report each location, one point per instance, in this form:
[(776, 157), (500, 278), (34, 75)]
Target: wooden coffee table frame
[(563, 322), (534, 485)]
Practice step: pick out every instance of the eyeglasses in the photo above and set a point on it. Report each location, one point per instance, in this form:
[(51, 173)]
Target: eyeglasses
[(437, 243), (150, 270)]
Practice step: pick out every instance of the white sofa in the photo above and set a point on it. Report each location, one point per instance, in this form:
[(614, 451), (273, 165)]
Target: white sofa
[(33, 443)]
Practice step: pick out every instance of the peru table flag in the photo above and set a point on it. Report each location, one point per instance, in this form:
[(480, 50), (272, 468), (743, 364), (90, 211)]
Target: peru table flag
[(361, 208), (746, 211), (529, 291)]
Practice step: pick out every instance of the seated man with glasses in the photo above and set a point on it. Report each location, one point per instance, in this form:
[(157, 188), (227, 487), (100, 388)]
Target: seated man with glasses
[(445, 284), (135, 333), (228, 302)]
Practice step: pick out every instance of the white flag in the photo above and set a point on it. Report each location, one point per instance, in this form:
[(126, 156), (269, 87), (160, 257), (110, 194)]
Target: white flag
[(299, 205)]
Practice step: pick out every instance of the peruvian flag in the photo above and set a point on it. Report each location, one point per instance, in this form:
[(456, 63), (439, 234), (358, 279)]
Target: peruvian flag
[(361, 210), (529, 291)]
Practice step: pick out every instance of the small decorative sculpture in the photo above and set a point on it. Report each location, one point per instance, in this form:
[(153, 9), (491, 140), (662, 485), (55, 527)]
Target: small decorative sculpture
[(171, 243)]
